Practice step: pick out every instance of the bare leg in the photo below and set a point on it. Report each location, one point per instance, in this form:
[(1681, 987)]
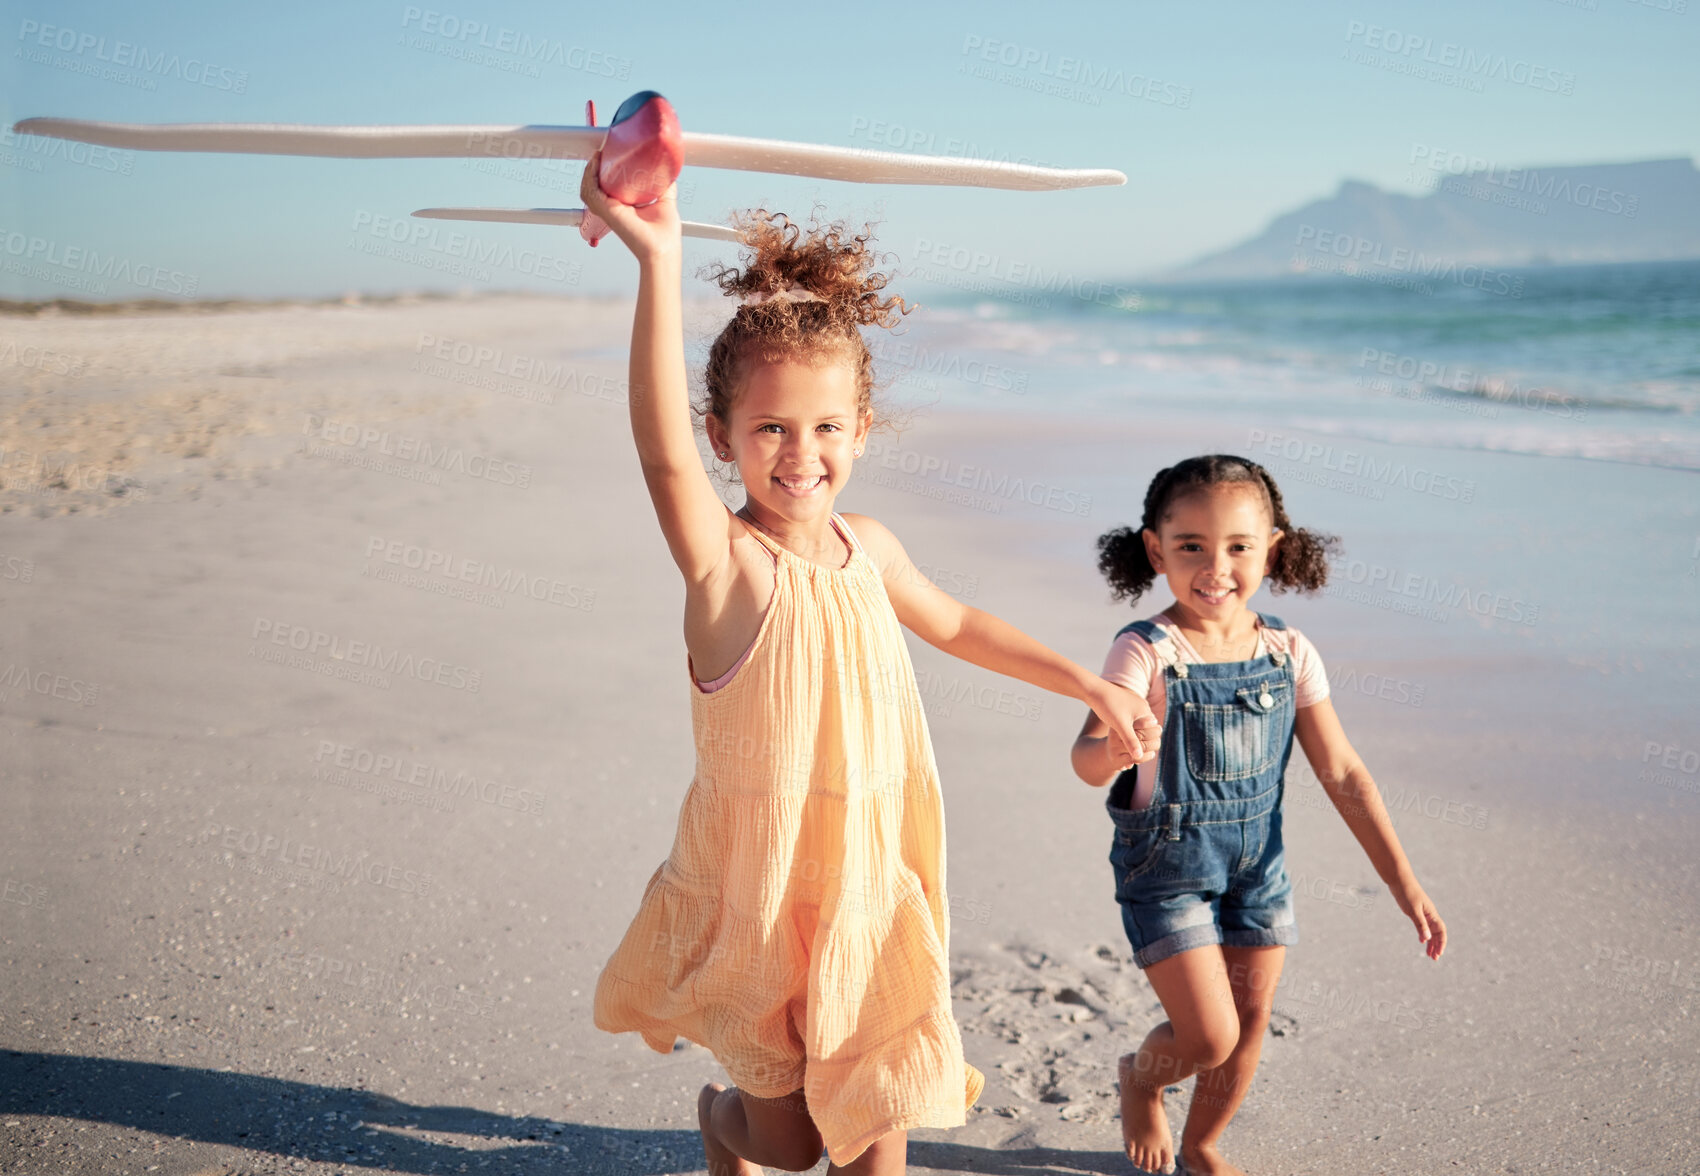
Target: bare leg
[(740, 1132), (1201, 1031), (886, 1156), (1253, 972), (722, 1161)]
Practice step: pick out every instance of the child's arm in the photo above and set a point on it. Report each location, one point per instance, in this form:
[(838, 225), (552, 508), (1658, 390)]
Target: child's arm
[(698, 527), (1098, 756), (979, 637), (1348, 784)]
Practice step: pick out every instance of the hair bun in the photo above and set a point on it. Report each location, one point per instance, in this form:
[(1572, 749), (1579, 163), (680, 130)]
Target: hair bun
[(827, 264)]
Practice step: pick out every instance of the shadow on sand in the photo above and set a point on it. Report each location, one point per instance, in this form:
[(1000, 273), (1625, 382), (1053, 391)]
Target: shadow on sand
[(362, 1129)]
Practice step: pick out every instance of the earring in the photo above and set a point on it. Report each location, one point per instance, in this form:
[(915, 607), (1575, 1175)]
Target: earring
[(855, 453), (723, 455)]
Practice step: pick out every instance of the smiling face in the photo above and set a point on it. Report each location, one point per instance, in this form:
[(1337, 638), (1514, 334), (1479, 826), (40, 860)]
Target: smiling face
[(1214, 546), (794, 430)]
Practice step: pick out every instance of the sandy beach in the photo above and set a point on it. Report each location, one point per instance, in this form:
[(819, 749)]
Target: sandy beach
[(344, 717)]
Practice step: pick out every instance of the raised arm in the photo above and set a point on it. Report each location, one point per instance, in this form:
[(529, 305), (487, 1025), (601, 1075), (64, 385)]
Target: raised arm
[(978, 637), (1347, 781), (698, 527)]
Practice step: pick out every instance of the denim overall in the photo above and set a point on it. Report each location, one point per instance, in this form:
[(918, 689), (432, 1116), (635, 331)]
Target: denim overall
[(1203, 863)]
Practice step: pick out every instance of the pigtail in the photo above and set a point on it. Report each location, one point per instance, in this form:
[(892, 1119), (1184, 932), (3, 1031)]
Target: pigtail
[(1302, 558), (1123, 560), (1122, 557)]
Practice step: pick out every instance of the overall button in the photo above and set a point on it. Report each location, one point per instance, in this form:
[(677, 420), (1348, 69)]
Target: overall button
[(1261, 698)]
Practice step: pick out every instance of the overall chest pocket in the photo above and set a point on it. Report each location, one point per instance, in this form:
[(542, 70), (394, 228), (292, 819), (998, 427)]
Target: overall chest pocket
[(1239, 739)]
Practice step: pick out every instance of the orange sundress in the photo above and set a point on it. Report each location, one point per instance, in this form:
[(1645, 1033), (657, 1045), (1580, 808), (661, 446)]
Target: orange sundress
[(799, 929)]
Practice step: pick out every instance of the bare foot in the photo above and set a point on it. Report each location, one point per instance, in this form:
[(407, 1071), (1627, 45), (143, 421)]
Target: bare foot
[(721, 1161), (1202, 1159), (1145, 1127)]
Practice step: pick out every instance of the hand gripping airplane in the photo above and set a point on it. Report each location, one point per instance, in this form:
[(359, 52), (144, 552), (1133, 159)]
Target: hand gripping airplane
[(643, 151)]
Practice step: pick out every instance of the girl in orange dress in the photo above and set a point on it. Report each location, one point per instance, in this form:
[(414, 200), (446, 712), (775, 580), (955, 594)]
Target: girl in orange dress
[(800, 927)]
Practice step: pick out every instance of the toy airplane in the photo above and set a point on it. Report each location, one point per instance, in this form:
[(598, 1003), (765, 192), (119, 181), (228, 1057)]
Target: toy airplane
[(643, 150)]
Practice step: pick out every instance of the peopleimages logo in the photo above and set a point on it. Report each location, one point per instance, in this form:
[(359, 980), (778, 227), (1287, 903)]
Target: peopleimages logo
[(417, 774), (355, 656), (1424, 375), (510, 373), (1368, 255), (996, 486), (382, 989), (1470, 63), (1474, 172), (126, 55), (1350, 577), (41, 359), (456, 36), (1677, 767), (47, 683), (335, 866), (450, 458), (432, 563), (1374, 685), (950, 691), (1353, 463), (32, 149), (935, 261), (950, 364), (29, 255), (393, 237), (909, 138), (1076, 72), (16, 567)]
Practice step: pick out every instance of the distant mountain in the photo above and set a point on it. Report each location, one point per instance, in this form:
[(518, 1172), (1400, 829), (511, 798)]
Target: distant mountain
[(1490, 217)]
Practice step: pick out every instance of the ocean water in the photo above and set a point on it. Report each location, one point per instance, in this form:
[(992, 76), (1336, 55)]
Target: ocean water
[(1595, 362), (1520, 536)]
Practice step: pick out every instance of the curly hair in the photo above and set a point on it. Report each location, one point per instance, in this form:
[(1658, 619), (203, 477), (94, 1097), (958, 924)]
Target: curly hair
[(830, 263), (1301, 557)]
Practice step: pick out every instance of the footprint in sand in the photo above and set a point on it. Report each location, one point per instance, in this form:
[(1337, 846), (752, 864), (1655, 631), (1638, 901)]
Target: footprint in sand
[(1053, 1028)]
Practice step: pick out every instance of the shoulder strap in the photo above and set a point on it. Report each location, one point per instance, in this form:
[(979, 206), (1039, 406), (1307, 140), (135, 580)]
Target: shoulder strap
[(1276, 640), (1150, 630), (844, 529), (773, 548)]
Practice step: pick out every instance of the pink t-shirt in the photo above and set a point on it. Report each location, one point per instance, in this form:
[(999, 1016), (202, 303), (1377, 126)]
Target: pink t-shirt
[(1135, 663)]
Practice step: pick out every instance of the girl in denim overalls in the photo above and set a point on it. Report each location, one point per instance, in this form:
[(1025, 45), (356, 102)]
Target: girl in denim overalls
[(1197, 853)]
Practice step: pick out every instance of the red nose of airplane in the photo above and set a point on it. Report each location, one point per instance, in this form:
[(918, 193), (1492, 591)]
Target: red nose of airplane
[(642, 154), (644, 150)]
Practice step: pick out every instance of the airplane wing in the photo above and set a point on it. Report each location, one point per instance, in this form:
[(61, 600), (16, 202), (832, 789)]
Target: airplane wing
[(732, 152), (883, 167), (560, 216)]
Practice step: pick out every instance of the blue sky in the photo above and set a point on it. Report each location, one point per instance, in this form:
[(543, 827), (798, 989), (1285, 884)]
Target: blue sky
[(1226, 115)]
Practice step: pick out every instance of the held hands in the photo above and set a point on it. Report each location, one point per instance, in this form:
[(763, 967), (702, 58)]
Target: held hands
[(1420, 910), (648, 231), (1134, 733)]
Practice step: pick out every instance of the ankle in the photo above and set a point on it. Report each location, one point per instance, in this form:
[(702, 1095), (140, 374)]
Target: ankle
[(1151, 1092)]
